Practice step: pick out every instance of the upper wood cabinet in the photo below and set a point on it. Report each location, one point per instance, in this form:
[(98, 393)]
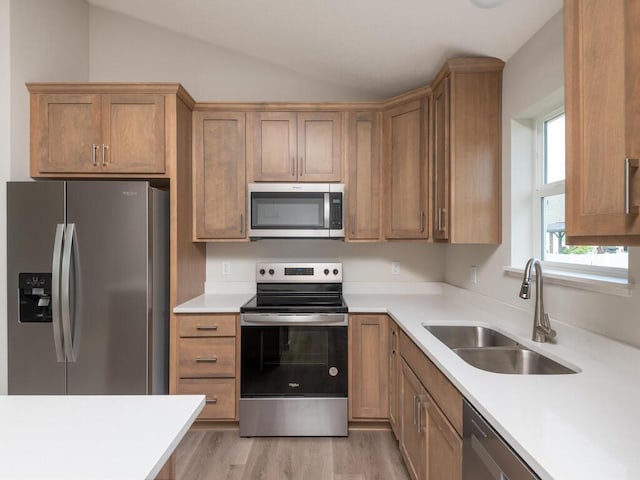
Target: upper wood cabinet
[(602, 102), (219, 175), (466, 151), (405, 171), (369, 369), (97, 129), (363, 175), (297, 146)]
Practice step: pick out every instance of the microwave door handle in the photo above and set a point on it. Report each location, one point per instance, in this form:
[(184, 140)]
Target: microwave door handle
[(327, 211)]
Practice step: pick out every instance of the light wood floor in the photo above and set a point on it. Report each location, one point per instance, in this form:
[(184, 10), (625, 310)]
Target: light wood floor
[(222, 454)]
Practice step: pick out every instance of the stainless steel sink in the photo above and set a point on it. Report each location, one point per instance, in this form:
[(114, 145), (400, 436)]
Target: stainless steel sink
[(462, 336), (515, 360), (493, 351)]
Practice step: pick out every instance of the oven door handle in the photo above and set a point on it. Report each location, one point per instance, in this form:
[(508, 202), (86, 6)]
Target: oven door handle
[(287, 319)]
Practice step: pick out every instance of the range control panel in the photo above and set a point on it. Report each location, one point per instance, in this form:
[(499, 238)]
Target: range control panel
[(299, 272)]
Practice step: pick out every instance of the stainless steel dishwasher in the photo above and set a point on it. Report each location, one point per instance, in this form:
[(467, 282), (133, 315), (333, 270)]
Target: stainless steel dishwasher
[(485, 455)]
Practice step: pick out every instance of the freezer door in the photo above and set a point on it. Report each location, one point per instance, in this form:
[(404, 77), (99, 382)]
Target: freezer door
[(34, 209), (111, 344)]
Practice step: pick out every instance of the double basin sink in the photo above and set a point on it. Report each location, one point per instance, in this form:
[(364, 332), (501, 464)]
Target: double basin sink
[(493, 351)]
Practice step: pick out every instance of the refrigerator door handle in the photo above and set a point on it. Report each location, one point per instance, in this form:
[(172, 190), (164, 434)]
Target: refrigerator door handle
[(55, 292), (71, 335)]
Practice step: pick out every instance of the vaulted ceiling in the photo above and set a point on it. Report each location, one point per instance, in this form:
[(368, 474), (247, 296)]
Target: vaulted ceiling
[(380, 46)]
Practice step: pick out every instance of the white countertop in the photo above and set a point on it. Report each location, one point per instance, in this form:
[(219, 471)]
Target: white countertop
[(92, 437), (214, 303), (566, 427)]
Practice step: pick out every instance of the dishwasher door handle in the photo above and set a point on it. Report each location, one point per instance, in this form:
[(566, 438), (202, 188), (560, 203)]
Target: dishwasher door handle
[(488, 461)]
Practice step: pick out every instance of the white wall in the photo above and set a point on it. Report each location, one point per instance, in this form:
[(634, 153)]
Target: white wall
[(532, 75), (370, 262), (5, 158), (42, 41), (126, 49)]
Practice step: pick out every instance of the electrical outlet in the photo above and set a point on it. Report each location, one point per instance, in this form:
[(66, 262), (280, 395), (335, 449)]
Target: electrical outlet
[(395, 268), (226, 268), (473, 275)]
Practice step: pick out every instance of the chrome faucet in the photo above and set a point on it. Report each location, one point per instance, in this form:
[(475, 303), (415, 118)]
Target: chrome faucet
[(542, 330)]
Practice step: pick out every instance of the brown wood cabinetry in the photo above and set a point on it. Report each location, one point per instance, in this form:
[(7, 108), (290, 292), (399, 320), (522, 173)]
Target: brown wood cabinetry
[(297, 146), (207, 362), (405, 171), (466, 151), (602, 101), (219, 175), (369, 367), (430, 417), (363, 175), (394, 377), (97, 129)]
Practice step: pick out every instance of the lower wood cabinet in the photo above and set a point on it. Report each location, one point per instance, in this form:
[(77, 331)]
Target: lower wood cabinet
[(369, 367), (394, 377), (430, 439), (208, 362)]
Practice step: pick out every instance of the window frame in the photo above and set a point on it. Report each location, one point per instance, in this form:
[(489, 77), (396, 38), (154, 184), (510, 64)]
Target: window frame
[(541, 190)]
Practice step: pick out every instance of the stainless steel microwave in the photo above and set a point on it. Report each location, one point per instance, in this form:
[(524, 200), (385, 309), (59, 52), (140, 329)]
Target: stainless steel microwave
[(295, 210)]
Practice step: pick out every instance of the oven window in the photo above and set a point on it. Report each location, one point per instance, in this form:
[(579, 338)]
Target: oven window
[(294, 346), (293, 361), (287, 210)]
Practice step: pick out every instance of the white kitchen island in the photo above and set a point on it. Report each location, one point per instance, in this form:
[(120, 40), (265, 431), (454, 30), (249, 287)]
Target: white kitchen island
[(115, 437)]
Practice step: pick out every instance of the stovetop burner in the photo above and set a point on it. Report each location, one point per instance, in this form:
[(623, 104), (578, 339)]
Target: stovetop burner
[(298, 288)]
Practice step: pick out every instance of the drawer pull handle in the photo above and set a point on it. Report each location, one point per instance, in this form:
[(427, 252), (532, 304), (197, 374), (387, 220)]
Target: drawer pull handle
[(213, 400), (206, 359), (207, 327)]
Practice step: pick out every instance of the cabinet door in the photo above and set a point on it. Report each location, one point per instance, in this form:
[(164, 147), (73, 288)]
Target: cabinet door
[(319, 147), (275, 147), (602, 89), (405, 173), (363, 177), (219, 175), (412, 436), (394, 378), (441, 160), (65, 133), (369, 393), (444, 446), (133, 133)]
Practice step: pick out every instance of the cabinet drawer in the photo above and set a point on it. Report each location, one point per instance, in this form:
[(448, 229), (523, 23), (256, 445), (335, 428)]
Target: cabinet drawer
[(220, 393), (207, 325), (446, 396), (207, 357)]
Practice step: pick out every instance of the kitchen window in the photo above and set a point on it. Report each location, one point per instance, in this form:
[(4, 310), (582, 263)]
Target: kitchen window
[(549, 209)]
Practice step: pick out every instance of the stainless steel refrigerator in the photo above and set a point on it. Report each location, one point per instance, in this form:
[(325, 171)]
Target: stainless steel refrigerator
[(88, 289)]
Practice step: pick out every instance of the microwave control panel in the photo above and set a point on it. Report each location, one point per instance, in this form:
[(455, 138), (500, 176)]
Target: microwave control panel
[(335, 221)]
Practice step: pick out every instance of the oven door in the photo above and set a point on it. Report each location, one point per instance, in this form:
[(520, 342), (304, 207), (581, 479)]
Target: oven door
[(293, 355)]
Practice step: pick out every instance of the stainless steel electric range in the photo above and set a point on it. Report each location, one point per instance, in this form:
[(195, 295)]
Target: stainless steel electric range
[(294, 352)]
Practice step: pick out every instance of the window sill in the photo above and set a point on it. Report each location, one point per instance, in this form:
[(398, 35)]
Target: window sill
[(594, 283)]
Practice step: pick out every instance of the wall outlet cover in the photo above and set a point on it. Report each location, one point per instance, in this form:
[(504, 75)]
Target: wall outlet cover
[(395, 268), (226, 268)]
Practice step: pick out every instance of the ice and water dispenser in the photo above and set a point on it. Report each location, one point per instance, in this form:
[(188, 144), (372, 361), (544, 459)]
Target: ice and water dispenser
[(35, 297)]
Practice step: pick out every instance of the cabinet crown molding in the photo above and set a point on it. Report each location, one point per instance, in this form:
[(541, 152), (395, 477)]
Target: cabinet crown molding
[(115, 87)]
